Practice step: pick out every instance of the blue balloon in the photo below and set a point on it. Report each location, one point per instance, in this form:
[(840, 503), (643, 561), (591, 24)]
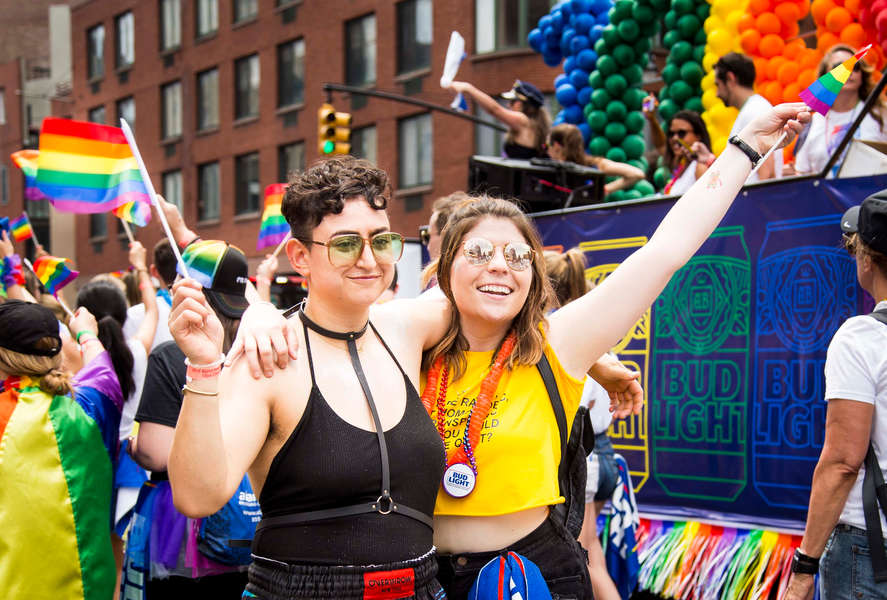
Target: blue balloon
[(586, 59), (552, 58), (578, 78), (573, 114), (566, 9), (583, 23), (603, 18), (595, 34), (557, 21), (580, 6), (534, 38), (566, 38), (600, 6), (565, 94), (586, 132), (551, 37), (560, 80), (545, 22), (578, 44), (584, 95), (569, 65)]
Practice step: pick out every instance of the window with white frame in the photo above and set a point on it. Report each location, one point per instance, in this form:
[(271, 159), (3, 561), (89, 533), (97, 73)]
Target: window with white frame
[(413, 35), (502, 24), (208, 192), (246, 184), (414, 145), (290, 159), (171, 121), (363, 143), (95, 52), (172, 189), (208, 99), (360, 51), (170, 24), (245, 10), (206, 17), (291, 73), (126, 109), (124, 27), (246, 87)]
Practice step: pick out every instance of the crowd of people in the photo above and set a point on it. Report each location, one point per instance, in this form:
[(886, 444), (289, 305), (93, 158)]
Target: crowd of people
[(191, 442)]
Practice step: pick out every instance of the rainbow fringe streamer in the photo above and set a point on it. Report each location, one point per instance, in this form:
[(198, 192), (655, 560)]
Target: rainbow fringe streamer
[(822, 93)]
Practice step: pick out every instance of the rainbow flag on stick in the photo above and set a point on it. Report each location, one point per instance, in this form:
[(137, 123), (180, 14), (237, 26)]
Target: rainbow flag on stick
[(822, 93), (21, 228), (54, 273), (87, 168), (138, 213), (274, 227), (26, 160)]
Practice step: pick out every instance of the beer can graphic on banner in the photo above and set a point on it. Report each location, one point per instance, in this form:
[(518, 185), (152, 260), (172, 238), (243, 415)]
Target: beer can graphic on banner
[(699, 375), (806, 287)]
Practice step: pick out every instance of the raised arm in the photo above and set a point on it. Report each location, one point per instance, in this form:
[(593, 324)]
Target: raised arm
[(224, 420), (514, 119), (656, 134), (628, 174), (145, 333), (584, 329), (264, 274)]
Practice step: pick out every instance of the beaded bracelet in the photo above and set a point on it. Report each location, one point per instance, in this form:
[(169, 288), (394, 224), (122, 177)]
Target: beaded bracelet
[(82, 332), (207, 371)]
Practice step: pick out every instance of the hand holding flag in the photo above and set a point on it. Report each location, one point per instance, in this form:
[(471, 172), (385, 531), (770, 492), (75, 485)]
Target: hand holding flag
[(274, 228), (21, 228), (821, 94)]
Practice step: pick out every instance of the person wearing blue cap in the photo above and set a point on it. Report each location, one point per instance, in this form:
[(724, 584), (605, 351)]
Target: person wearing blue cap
[(527, 118), (843, 540)]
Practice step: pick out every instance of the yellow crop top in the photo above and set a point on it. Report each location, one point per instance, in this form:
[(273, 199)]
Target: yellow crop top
[(520, 448)]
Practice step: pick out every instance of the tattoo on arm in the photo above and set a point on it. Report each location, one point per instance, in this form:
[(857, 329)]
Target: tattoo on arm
[(714, 179)]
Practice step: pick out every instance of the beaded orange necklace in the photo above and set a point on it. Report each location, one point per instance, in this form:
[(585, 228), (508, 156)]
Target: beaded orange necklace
[(480, 410)]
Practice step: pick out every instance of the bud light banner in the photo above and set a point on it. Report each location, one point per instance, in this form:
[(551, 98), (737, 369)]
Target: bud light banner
[(731, 354)]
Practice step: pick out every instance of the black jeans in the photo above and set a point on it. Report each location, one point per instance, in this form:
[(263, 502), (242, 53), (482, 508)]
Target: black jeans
[(560, 558)]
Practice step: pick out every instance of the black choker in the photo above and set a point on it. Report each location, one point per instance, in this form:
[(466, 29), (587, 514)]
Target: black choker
[(336, 335)]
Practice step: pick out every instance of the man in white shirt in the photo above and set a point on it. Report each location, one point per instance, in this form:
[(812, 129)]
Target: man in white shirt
[(734, 81)]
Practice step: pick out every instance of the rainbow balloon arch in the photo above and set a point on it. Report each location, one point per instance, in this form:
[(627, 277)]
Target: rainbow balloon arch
[(604, 46)]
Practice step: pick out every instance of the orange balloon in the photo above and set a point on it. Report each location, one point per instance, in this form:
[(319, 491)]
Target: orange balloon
[(771, 45), (826, 40), (837, 19), (773, 66), (789, 30), (793, 49), (750, 39), (760, 67), (854, 35), (788, 72), (756, 7), (767, 22), (820, 8), (852, 6), (791, 92), (806, 77), (788, 12), (804, 7), (746, 21), (772, 91)]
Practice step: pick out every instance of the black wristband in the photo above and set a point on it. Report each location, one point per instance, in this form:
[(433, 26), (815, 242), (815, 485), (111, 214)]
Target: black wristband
[(801, 563), (750, 152)]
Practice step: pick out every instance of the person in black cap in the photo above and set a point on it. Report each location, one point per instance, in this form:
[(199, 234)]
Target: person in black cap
[(158, 414), (835, 542), (527, 118)]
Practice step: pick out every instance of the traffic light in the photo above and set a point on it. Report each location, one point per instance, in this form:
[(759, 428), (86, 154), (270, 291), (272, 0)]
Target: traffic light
[(334, 131)]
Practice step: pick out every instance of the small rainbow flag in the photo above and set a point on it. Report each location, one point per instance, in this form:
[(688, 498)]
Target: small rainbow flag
[(87, 168), (136, 212), (274, 226), (21, 228), (26, 160), (54, 273), (822, 93), (202, 259)]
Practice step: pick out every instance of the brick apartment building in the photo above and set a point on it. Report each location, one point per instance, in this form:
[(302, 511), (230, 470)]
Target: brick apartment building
[(224, 97)]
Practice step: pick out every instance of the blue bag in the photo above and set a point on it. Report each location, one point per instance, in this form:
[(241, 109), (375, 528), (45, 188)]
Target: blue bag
[(511, 576), (236, 520)]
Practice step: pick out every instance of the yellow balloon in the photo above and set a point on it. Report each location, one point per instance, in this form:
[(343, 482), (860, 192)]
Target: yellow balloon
[(709, 98), (722, 8), (712, 23), (709, 59), (709, 80), (718, 144), (720, 41), (732, 21)]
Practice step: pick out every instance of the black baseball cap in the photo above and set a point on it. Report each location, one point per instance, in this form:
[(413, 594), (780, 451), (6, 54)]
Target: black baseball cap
[(225, 285), (526, 91), (23, 325), (869, 220)]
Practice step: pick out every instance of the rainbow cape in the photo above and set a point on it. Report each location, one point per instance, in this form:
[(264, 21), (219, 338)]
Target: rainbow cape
[(822, 93), (26, 160), (55, 500), (137, 212), (21, 228), (54, 273), (274, 227), (87, 168)]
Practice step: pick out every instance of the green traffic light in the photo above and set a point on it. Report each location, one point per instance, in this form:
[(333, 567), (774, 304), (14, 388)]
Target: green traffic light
[(328, 147)]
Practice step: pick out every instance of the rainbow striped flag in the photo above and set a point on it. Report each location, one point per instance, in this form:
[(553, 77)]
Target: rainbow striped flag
[(137, 212), (26, 160), (21, 228), (56, 497), (54, 273), (274, 226), (822, 93), (87, 168)]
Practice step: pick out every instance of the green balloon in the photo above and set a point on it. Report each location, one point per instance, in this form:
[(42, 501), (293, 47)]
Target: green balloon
[(611, 35), (607, 66), (699, 53), (596, 80), (642, 45), (622, 10), (597, 120), (615, 132), (634, 121), (624, 54), (601, 47), (680, 53), (634, 145), (692, 73), (682, 7), (659, 5), (633, 74), (600, 98), (670, 20), (694, 104), (680, 91), (632, 195), (616, 85), (628, 30), (587, 109), (664, 93), (634, 98), (615, 196), (689, 25), (616, 110), (671, 38), (598, 146), (616, 154), (703, 10), (667, 109), (700, 37), (670, 73), (660, 177), (645, 188), (641, 163), (643, 13)]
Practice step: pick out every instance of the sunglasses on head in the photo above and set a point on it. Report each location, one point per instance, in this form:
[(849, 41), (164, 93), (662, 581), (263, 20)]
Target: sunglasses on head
[(424, 234), (681, 133), (480, 251), (345, 250)]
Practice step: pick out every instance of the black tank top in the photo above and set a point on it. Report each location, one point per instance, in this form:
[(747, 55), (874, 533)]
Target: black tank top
[(513, 150), (329, 463)]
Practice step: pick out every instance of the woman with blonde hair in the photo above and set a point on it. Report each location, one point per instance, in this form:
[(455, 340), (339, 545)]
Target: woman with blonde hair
[(565, 143)]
